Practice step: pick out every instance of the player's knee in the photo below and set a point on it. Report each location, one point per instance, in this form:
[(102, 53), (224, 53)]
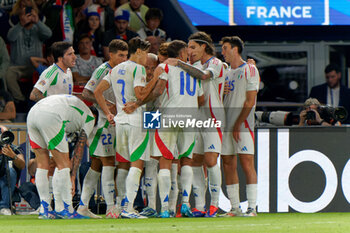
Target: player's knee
[(197, 160)]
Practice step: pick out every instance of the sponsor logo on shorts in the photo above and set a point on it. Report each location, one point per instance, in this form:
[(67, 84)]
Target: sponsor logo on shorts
[(212, 147), (244, 149), (42, 83)]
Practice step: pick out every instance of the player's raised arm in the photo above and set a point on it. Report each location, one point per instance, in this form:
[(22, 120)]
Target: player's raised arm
[(194, 71)]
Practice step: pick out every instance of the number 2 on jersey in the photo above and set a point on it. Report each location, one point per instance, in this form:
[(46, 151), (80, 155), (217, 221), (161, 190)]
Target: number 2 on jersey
[(122, 82), (187, 83)]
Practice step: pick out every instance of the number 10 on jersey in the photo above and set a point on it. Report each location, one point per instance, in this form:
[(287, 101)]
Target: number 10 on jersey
[(187, 83)]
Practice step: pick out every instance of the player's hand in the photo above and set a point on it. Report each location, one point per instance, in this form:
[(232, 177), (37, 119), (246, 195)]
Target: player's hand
[(236, 132), (112, 107), (171, 61), (226, 88), (73, 185), (130, 107), (110, 118), (251, 61)]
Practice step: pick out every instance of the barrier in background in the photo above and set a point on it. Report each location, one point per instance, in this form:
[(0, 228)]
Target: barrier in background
[(303, 169), (299, 169)]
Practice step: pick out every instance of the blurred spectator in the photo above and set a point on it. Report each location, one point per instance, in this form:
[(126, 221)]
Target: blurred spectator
[(40, 4), (85, 63), (15, 156), (114, 4), (120, 31), (137, 11), (4, 63), (311, 105), (18, 7), (91, 26), (7, 107), (61, 18), (107, 15), (163, 52), (153, 18), (40, 64), (4, 22), (26, 40), (332, 92), (155, 43), (7, 5)]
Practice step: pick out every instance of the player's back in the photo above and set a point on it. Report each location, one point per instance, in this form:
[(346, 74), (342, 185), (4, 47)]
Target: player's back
[(182, 90), (71, 110)]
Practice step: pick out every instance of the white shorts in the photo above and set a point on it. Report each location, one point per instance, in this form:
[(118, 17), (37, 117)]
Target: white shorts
[(174, 143), (132, 143), (46, 130), (244, 146), (208, 142), (152, 144), (102, 139)]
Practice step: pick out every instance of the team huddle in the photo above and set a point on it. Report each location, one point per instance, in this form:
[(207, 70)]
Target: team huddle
[(174, 160)]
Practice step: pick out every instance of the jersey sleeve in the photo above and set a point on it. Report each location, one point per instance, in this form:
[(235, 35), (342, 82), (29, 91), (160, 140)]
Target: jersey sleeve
[(253, 78), (108, 77), (164, 75), (96, 77), (139, 75), (215, 67), (45, 80)]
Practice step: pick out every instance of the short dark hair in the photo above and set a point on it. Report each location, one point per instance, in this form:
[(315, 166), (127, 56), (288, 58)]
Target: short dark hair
[(117, 45), (83, 36), (163, 49), (154, 13), (137, 43), (332, 67), (175, 47), (234, 41), (59, 49), (203, 38)]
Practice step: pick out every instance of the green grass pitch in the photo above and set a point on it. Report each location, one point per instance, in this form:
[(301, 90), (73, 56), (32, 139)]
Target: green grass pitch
[(287, 222)]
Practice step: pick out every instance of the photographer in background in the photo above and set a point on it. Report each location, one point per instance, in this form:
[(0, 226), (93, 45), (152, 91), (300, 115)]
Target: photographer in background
[(16, 164), (311, 105), (332, 92)]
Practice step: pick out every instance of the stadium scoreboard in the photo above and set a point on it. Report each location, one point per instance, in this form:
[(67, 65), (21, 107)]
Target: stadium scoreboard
[(267, 12)]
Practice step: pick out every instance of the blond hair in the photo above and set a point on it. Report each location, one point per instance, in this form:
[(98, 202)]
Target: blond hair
[(311, 101)]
